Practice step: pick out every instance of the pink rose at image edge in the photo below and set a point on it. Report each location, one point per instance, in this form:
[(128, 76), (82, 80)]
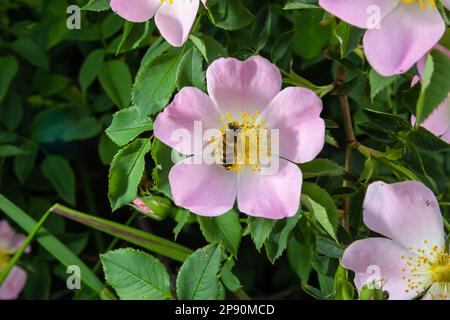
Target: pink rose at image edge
[(9, 243), (405, 33), (174, 18), (438, 122), (413, 258), (237, 87)]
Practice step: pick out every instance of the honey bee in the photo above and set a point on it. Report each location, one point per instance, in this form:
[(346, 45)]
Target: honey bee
[(229, 145)]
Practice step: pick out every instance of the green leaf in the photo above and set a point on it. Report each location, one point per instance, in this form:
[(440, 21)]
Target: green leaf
[(31, 52), (228, 278), (278, 239), (321, 168), (321, 197), (126, 173), (90, 69), (55, 247), (107, 149), (208, 47), (262, 25), (137, 237), (321, 215), (60, 174), (162, 156), (300, 257), (136, 275), (197, 278), (435, 85), (329, 248), (424, 139), (282, 46), (378, 82), (190, 72), (84, 129), (348, 37), (301, 4), (11, 151), (155, 83), (97, 5), (115, 78), (225, 229), (229, 15), (23, 165), (9, 68), (260, 229), (127, 124)]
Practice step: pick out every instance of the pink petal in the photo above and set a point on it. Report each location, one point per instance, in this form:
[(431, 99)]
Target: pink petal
[(379, 260), (135, 10), (407, 212), (295, 112), (359, 12), (13, 284), (272, 196), (243, 86), (175, 20), (405, 36), (9, 239), (446, 136), (189, 105), (439, 121), (207, 190)]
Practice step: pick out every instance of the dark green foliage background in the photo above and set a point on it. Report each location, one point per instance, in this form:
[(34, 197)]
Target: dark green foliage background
[(59, 89)]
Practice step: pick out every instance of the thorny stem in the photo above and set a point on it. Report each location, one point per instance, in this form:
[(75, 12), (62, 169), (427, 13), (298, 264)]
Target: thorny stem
[(351, 143)]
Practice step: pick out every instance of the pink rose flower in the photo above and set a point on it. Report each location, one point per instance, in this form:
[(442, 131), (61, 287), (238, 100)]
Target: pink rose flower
[(413, 258), (247, 97), (400, 32), (174, 18), (438, 122), (10, 242)]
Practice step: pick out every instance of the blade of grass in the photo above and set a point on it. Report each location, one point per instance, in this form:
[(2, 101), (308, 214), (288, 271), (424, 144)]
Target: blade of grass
[(138, 237), (55, 247), (22, 248)]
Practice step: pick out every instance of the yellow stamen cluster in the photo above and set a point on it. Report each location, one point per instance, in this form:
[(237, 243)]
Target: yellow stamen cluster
[(170, 1), (422, 3), (4, 258), (426, 267), (242, 143)]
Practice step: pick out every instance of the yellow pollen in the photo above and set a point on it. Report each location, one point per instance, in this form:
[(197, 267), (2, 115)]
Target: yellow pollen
[(430, 266), (422, 3), (170, 1), (243, 142)]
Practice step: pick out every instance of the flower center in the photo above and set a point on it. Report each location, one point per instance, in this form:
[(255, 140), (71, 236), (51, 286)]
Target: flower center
[(169, 1), (440, 272), (243, 143), (422, 3), (427, 267), (4, 258)]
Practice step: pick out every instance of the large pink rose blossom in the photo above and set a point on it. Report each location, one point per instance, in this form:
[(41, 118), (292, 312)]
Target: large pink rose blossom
[(413, 259), (10, 242), (405, 31), (438, 122), (244, 95), (174, 18)]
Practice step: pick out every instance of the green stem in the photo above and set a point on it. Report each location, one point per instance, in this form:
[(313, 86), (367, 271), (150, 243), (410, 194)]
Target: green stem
[(143, 239), (22, 248), (113, 243)]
